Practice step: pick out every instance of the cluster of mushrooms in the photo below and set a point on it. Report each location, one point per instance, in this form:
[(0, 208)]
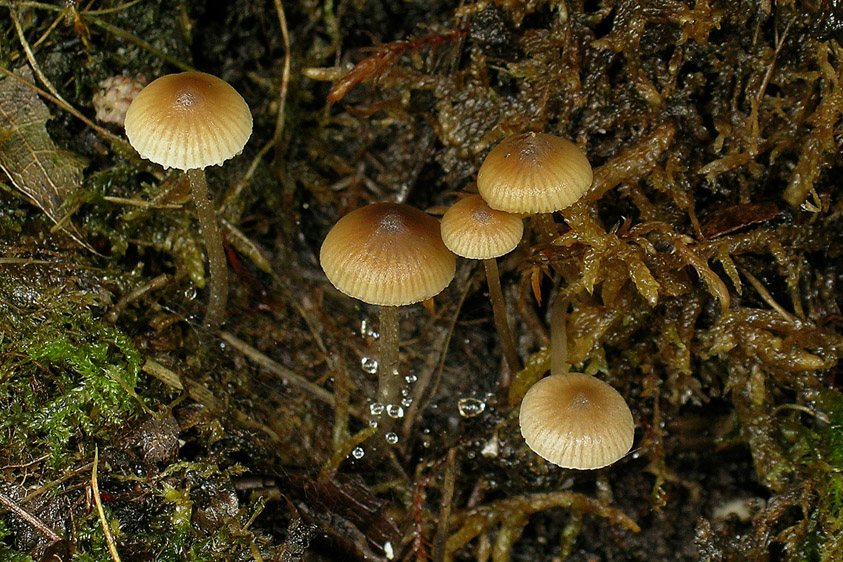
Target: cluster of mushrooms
[(391, 255)]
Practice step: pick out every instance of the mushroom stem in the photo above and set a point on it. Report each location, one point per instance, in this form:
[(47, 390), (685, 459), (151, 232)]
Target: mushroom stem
[(389, 381), (218, 270), (501, 323), (559, 338)]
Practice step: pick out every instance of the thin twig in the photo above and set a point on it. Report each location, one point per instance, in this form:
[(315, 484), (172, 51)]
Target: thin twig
[(767, 297), (234, 193), (278, 369), (109, 539), (30, 56), (441, 539), (113, 10), (67, 107), (424, 380), (12, 506), (134, 39)]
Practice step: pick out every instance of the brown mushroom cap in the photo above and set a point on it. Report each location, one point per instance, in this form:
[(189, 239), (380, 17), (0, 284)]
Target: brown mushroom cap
[(534, 173), (188, 120), (473, 230), (387, 254), (576, 421)]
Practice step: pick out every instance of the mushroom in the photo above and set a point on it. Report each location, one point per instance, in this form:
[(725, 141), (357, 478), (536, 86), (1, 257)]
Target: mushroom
[(391, 255), (473, 230), (534, 173), (190, 121), (571, 419)]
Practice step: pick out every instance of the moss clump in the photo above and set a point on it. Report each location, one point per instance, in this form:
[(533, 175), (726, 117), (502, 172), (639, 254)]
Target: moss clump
[(66, 378)]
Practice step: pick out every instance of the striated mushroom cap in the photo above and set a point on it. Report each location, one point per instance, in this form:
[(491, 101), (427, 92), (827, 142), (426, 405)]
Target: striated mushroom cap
[(473, 230), (576, 421), (188, 120), (387, 254), (534, 173)]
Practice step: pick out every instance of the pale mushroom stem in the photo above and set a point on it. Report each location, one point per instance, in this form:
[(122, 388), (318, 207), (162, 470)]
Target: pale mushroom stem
[(499, 311), (389, 380), (217, 266), (559, 338)]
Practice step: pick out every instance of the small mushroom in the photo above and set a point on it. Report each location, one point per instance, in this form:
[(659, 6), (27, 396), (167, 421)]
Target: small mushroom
[(391, 255), (571, 419), (534, 173), (473, 230), (576, 421), (190, 121)]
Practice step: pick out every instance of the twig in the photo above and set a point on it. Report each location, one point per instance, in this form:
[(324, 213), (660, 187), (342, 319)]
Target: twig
[(67, 107), (441, 539), (278, 369), (135, 294), (234, 193), (424, 379), (123, 34), (115, 9), (30, 56), (12, 506), (109, 539), (767, 297)]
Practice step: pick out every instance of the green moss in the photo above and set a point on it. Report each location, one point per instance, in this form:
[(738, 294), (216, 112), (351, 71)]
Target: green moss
[(64, 377)]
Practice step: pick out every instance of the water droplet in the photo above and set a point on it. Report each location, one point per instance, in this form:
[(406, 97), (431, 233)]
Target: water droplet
[(470, 407), (369, 365), (388, 550), (391, 438), (395, 411), (407, 402), (410, 379), (376, 408), (373, 423), (366, 330), (405, 392), (358, 452)]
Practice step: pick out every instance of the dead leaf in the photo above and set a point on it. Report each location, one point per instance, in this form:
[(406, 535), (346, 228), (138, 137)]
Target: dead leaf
[(36, 167)]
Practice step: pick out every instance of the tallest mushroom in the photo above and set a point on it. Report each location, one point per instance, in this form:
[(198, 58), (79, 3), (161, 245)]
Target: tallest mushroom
[(190, 121)]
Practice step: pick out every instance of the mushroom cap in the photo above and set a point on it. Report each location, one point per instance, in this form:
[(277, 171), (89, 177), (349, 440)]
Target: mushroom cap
[(576, 421), (387, 254), (188, 120), (534, 173), (473, 230)]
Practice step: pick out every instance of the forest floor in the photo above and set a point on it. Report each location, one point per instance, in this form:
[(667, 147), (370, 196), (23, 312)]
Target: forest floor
[(703, 269)]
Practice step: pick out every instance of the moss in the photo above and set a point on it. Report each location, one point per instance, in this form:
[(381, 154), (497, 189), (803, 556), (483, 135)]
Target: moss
[(67, 377)]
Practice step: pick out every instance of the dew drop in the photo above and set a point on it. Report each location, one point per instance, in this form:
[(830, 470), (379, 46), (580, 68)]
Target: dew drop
[(369, 365), (410, 379), (407, 402), (395, 411), (470, 407), (376, 408), (358, 452), (391, 438)]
